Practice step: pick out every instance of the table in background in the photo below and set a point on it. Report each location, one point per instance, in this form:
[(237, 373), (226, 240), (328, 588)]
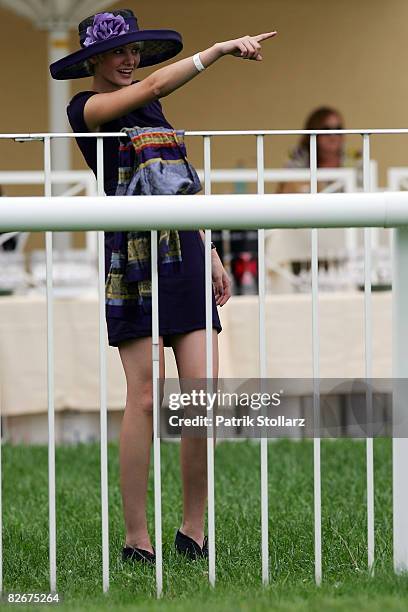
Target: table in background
[(23, 346)]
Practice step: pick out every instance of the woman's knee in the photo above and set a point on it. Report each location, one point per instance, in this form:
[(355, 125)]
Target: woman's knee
[(140, 398)]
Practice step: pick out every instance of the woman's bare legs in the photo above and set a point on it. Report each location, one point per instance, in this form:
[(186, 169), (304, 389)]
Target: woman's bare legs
[(189, 350), (136, 437)]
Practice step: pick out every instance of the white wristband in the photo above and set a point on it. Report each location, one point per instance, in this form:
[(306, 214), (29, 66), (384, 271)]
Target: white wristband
[(198, 63)]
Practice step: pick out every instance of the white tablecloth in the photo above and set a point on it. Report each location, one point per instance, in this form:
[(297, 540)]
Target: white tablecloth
[(23, 346)]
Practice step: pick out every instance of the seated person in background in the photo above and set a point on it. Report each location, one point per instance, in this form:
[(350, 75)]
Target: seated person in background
[(330, 149), (10, 244), (288, 251)]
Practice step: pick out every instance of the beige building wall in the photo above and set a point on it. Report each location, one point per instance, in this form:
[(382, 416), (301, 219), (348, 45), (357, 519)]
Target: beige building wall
[(349, 54)]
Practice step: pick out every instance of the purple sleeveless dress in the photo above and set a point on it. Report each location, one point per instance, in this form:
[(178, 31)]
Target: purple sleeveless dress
[(181, 297)]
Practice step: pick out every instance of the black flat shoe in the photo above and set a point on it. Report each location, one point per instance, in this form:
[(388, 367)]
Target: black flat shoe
[(188, 547), (138, 554)]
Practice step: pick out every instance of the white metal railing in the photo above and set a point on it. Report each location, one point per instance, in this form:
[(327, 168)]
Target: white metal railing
[(336, 179), (79, 180), (339, 179), (218, 212)]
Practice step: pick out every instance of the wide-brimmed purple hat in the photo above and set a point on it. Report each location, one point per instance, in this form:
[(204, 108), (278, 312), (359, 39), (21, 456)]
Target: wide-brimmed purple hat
[(105, 31)]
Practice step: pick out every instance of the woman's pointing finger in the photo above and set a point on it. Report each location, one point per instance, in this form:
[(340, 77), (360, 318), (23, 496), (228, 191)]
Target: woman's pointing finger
[(261, 37)]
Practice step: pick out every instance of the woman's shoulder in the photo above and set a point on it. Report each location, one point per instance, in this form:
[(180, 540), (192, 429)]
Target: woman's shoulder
[(75, 110), (80, 98)]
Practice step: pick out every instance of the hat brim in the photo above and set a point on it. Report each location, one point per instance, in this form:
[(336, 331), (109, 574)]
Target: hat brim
[(159, 46)]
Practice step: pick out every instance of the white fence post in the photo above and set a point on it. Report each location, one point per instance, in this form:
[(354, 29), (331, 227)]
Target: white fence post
[(102, 380), (316, 373), (262, 367), (156, 415), (368, 360), (209, 370), (50, 380)]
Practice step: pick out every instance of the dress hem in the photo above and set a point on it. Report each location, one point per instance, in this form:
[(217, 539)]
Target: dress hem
[(148, 333)]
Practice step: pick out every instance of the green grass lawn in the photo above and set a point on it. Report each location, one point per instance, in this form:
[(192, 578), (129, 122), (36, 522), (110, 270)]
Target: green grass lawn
[(346, 584)]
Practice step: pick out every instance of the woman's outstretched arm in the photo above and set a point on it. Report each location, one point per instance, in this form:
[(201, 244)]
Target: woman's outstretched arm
[(105, 107)]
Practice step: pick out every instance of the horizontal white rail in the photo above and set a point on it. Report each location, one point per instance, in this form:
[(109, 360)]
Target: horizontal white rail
[(386, 209), (32, 177), (42, 135), (274, 175), (37, 177), (222, 175)]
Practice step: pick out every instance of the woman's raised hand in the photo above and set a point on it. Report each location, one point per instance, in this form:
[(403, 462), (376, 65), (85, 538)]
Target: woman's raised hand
[(247, 47)]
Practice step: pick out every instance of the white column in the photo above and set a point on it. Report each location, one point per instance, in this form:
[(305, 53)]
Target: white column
[(58, 98), (400, 402)]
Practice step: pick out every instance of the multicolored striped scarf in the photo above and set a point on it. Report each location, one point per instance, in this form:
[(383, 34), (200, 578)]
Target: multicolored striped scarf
[(152, 161)]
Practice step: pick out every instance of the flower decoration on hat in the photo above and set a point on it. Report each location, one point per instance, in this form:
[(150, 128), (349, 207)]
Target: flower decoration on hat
[(105, 25)]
